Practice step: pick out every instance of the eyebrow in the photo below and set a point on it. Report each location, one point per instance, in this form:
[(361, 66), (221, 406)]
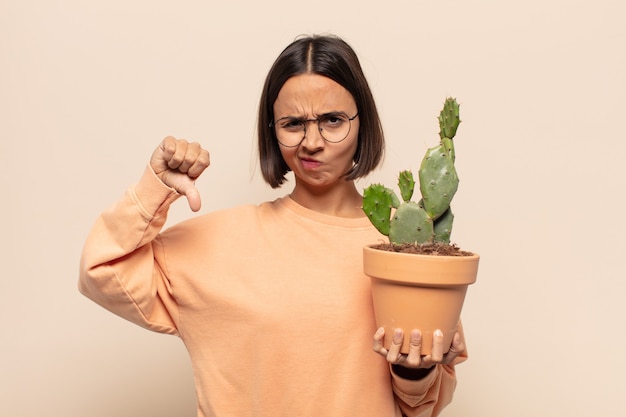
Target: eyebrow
[(330, 113)]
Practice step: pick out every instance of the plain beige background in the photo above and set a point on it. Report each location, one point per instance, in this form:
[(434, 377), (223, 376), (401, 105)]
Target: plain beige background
[(89, 88)]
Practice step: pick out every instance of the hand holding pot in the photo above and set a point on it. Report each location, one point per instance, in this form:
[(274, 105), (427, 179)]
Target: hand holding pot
[(414, 358), (178, 163)]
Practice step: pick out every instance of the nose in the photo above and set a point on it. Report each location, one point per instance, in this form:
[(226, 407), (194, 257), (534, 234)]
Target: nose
[(312, 135)]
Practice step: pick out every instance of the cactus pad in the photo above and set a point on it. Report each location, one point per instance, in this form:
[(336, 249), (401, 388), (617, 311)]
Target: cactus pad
[(438, 181), (377, 204)]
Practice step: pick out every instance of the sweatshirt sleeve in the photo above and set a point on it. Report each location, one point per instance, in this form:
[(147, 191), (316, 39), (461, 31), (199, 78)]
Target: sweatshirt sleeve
[(118, 267), (430, 395)]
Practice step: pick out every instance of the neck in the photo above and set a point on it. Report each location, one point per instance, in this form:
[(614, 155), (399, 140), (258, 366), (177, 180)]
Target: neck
[(343, 201)]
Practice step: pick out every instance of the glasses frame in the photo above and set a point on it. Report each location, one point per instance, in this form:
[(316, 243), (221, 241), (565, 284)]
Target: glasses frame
[(305, 123)]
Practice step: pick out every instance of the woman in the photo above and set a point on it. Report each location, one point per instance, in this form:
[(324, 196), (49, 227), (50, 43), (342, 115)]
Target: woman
[(270, 300)]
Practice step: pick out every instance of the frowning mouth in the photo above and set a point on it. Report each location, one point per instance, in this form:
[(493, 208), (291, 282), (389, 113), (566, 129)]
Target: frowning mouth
[(308, 163)]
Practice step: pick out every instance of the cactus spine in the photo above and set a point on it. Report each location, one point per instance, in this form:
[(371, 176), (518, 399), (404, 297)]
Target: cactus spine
[(430, 219)]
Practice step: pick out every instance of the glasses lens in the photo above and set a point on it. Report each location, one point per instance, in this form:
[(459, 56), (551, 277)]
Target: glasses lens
[(334, 127), (289, 131)]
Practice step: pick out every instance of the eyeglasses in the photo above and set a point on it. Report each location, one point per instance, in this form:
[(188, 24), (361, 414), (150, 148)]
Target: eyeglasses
[(333, 127)]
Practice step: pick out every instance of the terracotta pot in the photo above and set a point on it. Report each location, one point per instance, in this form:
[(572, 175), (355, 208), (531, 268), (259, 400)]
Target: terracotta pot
[(418, 292)]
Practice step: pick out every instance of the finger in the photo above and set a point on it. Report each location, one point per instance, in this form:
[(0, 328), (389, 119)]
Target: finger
[(458, 343), (414, 357), (378, 341), (168, 147), (458, 346), (191, 155), (200, 164), (162, 154), (179, 154), (393, 355), (436, 352)]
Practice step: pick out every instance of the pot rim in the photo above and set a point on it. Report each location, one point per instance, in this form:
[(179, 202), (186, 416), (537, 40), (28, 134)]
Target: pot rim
[(420, 269)]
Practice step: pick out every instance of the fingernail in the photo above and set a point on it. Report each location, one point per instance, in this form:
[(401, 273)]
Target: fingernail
[(438, 333)]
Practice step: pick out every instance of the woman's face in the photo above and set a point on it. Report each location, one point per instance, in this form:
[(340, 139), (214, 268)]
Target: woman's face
[(315, 162)]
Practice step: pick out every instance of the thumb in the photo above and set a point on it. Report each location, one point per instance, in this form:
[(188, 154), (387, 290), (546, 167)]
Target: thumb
[(190, 191), (184, 185)]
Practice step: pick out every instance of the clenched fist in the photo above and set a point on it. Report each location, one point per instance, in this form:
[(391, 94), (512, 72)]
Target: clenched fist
[(178, 164)]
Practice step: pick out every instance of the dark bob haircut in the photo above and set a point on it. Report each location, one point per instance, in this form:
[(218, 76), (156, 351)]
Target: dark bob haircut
[(331, 57)]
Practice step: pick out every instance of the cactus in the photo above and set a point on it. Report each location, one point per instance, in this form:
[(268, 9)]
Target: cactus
[(430, 219)]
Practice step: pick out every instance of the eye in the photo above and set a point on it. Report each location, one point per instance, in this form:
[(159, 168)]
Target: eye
[(291, 124), (333, 120)]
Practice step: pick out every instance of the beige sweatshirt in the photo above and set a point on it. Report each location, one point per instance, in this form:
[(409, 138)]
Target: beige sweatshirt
[(270, 301)]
